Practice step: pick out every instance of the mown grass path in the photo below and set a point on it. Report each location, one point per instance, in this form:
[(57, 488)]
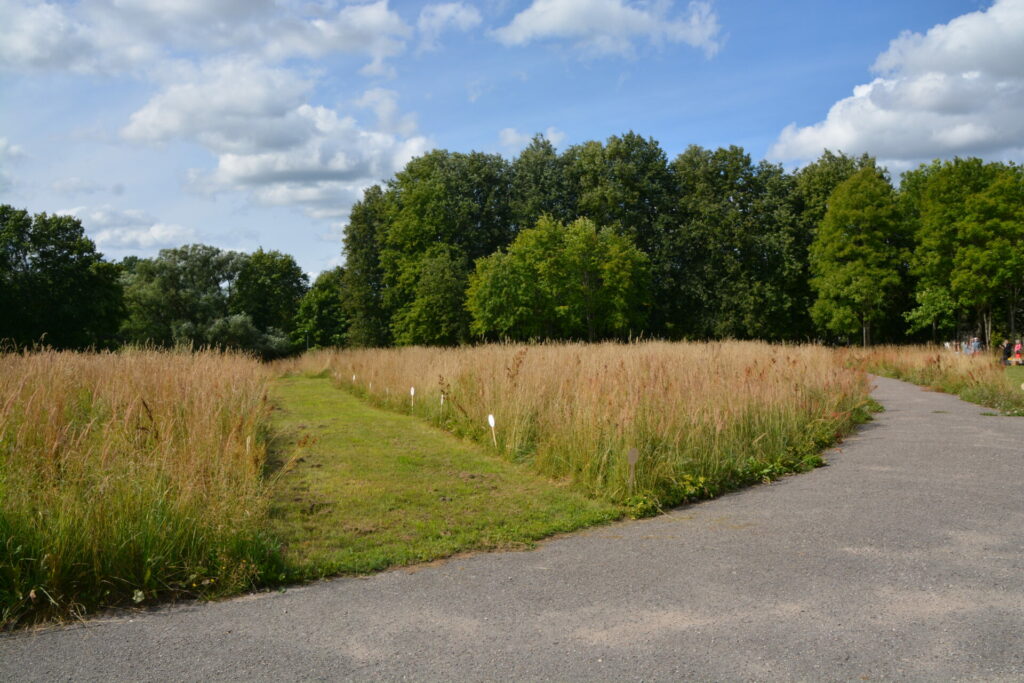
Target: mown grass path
[(358, 489), (900, 560)]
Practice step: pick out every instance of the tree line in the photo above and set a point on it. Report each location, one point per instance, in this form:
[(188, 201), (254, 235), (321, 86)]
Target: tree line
[(601, 241)]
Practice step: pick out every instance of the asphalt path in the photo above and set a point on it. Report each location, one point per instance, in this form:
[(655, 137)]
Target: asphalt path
[(902, 559)]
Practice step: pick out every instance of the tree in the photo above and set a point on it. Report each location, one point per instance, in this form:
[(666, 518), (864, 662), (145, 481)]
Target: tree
[(436, 314), (539, 186), (364, 276), (321, 320), (855, 257), (988, 267), (558, 281), (268, 288), (55, 288), (737, 251), (450, 209), (176, 297), (936, 200)]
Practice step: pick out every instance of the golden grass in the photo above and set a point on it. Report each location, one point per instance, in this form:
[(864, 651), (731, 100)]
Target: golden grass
[(127, 476), (703, 417), (980, 379)]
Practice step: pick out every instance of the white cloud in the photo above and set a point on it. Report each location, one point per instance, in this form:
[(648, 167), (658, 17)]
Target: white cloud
[(384, 104), (370, 29), (515, 141), (435, 19), (273, 145), (957, 90), (116, 36), (129, 229), (237, 105), (601, 27)]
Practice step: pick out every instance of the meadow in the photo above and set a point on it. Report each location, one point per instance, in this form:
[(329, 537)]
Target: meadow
[(129, 477), (702, 418), (142, 476), (978, 379)]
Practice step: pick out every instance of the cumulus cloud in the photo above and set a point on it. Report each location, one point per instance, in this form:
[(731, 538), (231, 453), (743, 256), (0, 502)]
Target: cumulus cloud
[(601, 27), (514, 140), (115, 36), (272, 144), (228, 105), (435, 19), (130, 229), (371, 29), (956, 90)]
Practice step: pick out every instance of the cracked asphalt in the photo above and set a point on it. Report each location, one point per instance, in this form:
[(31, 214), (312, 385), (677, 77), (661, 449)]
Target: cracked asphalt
[(903, 559)]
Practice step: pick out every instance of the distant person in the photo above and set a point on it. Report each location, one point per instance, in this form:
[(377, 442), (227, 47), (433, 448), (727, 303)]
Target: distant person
[(1007, 348), (975, 346), (1017, 360), (965, 347)]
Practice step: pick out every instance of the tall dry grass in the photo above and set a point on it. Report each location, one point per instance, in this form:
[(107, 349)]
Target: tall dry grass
[(703, 417), (979, 379), (129, 476)]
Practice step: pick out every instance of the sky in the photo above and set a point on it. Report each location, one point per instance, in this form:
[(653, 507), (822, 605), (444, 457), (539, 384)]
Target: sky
[(258, 123)]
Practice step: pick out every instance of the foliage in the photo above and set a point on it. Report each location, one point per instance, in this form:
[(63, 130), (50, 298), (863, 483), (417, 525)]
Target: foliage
[(321, 320), (189, 296), (55, 289), (449, 209), (268, 288), (364, 276), (560, 282), (738, 253), (856, 255)]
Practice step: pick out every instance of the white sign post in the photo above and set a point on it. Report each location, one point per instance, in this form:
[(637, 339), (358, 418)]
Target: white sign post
[(490, 421), (412, 397)]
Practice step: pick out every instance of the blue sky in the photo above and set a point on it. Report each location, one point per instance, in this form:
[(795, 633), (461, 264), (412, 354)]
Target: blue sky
[(248, 123)]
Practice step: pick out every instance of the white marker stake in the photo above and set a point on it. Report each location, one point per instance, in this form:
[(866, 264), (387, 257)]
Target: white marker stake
[(490, 421), (412, 397), (353, 379)]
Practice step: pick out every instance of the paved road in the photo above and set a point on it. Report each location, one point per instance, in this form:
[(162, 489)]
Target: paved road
[(903, 559)]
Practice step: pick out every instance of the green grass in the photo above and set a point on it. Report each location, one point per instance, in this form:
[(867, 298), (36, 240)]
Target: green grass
[(358, 489)]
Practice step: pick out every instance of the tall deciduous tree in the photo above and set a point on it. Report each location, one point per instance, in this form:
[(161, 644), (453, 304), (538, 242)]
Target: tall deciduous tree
[(55, 288), (539, 185), (268, 288), (946, 258), (368, 318), (321, 321), (451, 209), (738, 250), (856, 255), (558, 281)]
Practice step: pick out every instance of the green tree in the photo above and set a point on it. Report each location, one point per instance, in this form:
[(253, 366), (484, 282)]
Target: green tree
[(321, 321), (939, 200), (55, 287), (988, 266), (738, 250), (436, 314), (268, 288), (558, 281), (176, 297), (368, 319), (856, 255), (539, 185), (448, 208)]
